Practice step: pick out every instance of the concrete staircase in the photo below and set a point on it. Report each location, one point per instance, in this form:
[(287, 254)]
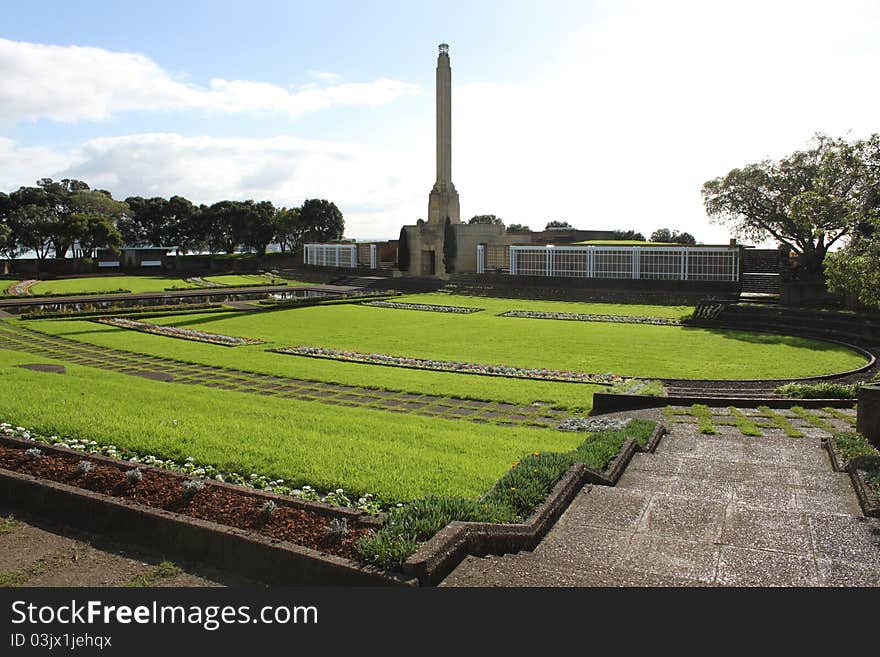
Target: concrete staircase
[(761, 274), (704, 510)]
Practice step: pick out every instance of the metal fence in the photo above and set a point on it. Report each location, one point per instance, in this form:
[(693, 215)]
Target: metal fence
[(331, 255), (682, 263)]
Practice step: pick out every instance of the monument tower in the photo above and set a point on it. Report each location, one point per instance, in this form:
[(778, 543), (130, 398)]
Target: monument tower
[(443, 200)]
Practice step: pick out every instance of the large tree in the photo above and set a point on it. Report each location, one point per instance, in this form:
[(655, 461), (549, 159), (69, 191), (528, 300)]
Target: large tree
[(672, 237), (557, 224), (92, 223), (855, 269), (261, 226), (322, 220), (289, 229), (807, 201)]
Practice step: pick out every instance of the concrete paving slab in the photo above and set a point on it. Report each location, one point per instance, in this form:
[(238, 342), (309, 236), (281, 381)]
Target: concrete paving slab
[(744, 567), (671, 557), (683, 517), (768, 529), (846, 538)]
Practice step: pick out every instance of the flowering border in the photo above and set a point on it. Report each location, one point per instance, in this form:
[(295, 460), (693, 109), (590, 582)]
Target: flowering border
[(587, 317), (367, 503), (176, 332), (538, 374), (459, 310)]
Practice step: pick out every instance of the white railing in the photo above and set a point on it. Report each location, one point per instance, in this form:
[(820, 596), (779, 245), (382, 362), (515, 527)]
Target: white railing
[(331, 255), (683, 263)]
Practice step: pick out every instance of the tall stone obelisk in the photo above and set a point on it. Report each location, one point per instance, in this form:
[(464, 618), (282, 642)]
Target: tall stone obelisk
[(443, 201)]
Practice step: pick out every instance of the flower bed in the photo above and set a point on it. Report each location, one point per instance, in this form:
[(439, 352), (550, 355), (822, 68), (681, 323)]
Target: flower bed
[(460, 310), (452, 366), (309, 526), (21, 288), (177, 332), (583, 317)]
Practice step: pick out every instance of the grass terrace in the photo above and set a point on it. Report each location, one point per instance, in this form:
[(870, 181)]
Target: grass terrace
[(359, 450), (92, 284)]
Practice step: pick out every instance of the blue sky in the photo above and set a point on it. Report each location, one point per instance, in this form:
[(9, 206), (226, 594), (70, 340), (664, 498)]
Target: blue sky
[(606, 114)]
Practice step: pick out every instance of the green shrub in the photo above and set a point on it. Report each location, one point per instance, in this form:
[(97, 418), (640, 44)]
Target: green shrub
[(819, 390), (852, 445), (528, 482)]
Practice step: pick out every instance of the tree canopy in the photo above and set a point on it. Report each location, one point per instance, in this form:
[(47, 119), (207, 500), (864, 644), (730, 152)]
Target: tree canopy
[(854, 270), (557, 224), (807, 201), (518, 228), (485, 219), (629, 235), (67, 216), (672, 236)]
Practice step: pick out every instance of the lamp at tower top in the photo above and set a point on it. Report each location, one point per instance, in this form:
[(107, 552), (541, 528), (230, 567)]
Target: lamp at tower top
[(444, 48)]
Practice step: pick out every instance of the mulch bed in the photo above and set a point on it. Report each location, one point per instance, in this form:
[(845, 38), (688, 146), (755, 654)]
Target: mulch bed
[(163, 490)]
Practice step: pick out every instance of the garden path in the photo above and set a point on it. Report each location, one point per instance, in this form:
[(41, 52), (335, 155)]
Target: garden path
[(19, 338), (705, 510)]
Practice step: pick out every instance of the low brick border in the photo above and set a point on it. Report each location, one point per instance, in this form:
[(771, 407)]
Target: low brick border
[(439, 556), (227, 548), (868, 499), (604, 402)]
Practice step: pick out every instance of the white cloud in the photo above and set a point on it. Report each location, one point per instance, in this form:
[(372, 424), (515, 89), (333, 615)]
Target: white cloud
[(656, 100), (366, 183), (74, 83)]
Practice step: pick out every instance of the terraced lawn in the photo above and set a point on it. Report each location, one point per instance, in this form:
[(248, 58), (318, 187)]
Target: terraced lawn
[(397, 457), (90, 284)]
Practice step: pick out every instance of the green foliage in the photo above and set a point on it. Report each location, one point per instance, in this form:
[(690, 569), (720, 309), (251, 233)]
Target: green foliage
[(528, 482), (450, 247), (628, 235), (518, 228), (485, 219), (743, 422), (806, 201), (704, 419), (774, 420), (557, 224), (840, 415), (824, 390), (812, 418), (403, 256), (852, 445), (854, 271), (667, 236)]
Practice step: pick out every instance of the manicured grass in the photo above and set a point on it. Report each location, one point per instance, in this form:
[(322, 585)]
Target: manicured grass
[(250, 279), (136, 284), (494, 306), (636, 350), (396, 456)]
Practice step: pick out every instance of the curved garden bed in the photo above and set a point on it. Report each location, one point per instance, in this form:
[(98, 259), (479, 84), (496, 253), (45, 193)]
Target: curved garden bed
[(538, 374)]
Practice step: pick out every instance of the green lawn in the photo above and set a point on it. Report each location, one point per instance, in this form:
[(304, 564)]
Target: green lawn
[(397, 457), (626, 349), (136, 284), (251, 279)]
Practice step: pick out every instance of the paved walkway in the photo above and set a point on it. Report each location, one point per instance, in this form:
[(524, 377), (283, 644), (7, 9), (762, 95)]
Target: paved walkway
[(16, 337), (725, 510)]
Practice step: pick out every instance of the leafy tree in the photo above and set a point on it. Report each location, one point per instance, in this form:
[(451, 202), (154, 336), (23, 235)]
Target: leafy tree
[(33, 226), (322, 219), (807, 201), (59, 198), (261, 226), (450, 247), (289, 229), (855, 269), (672, 236), (226, 225), (557, 224), (485, 219), (403, 251), (518, 228), (92, 223), (629, 235)]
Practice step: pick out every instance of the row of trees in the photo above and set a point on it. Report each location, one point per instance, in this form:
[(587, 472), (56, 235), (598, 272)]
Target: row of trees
[(68, 218), (810, 201)]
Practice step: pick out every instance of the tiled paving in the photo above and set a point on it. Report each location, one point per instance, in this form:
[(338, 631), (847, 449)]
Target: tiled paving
[(13, 336), (705, 510)]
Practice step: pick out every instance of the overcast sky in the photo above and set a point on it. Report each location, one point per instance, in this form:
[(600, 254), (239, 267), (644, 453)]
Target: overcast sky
[(604, 114)]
